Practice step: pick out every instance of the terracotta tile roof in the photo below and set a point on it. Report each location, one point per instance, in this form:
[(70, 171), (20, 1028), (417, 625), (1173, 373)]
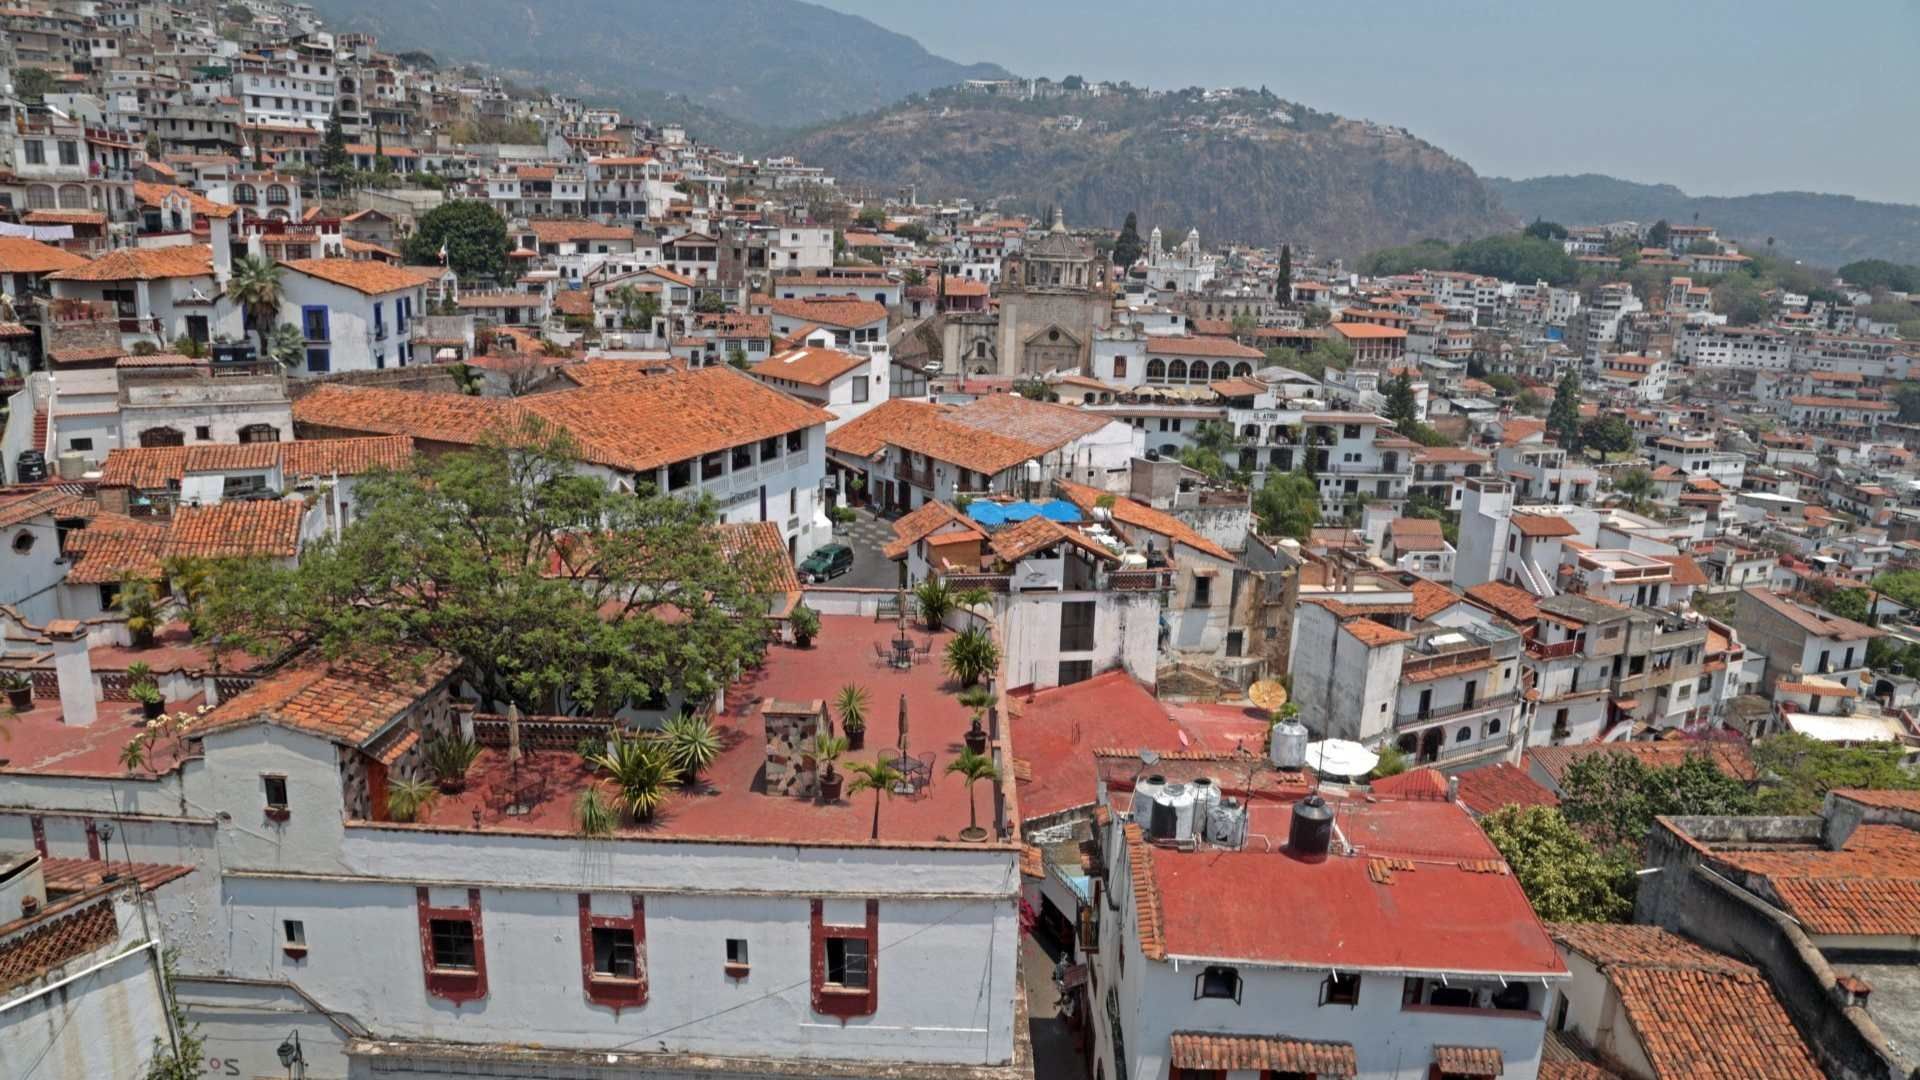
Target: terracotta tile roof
[(1039, 422), (1844, 403), (65, 217), (1128, 512), (438, 417), (810, 366), (1509, 601), (1697, 1014), (1431, 598), (112, 547), (1416, 534), (345, 457), (152, 468), (842, 312), (1146, 894), (75, 875), (153, 195), (1732, 758), (1685, 570), (1535, 526), (934, 434), (346, 702), (760, 542), (156, 360), (1516, 431), (1016, 542), (17, 509), (20, 255), (84, 354), (930, 517), (1369, 331), (144, 264), (1427, 783), (259, 527), (866, 435), (1266, 1053), (1469, 1060), (363, 275), (1487, 789), (1449, 455), (1890, 800), (1573, 1070), (1225, 348), (1814, 622), (1373, 634), (562, 232), (573, 302), (40, 950)]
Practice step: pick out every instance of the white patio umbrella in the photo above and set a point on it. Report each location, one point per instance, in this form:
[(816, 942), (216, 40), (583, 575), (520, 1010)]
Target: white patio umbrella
[(1340, 757)]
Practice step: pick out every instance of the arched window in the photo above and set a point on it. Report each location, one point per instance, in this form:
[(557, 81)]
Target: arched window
[(120, 199), (1221, 370), (94, 197), (1493, 726), (245, 195), (41, 197), (277, 195), (1177, 371), (1243, 368), (162, 436), (1250, 431), (1463, 734), (258, 433), (73, 197), (1156, 370)]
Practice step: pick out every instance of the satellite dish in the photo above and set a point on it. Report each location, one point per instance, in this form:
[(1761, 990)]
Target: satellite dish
[(1268, 694)]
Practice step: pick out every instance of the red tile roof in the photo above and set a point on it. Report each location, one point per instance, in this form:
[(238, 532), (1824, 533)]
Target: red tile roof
[(1468, 1060), (1208, 1051), (1430, 598), (20, 255), (561, 232), (1373, 634), (843, 312), (1685, 570), (65, 938), (1016, 542), (144, 264), (1224, 348), (1487, 789), (1536, 526), (809, 366), (1128, 512), (367, 276), (1732, 758), (1813, 621), (259, 527), (1416, 534), (348, 703), (931, 516), (1509, 601)]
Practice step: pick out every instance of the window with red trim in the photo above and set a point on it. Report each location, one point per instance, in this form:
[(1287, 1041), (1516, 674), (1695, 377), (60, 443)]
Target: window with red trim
[(453, 948), (613, 955), (846, 964)]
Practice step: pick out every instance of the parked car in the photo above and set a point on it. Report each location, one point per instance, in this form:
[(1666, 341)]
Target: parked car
[(826, 563)]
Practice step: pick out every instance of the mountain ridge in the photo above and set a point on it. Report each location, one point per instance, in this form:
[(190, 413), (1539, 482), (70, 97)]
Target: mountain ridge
[(766, 63), (1829, 230)]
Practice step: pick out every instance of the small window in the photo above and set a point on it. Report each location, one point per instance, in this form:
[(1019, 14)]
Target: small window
[(1202, 592), (613, 952), (276, 789), (203, 433), (79, 444), (1340, 989), (736, 953), (1217, 981), (859, 387), (453, 945), (23, 541), (847, 962), (295, 933), (1463, 734), (1075, 671)]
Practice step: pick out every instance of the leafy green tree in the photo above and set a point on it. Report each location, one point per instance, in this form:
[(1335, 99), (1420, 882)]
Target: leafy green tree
[(1607, 434), (1637, 487), (473, 235), (1907, 396), (537, 579), (1529, 403), (710, 303), (1660, 235), (1901, 586), (1503, 384), (1545, 230), (1517, 258), (971, 656), (1283, 281), (1614, 797), (1563, 419), (1288, 504), (913, 231), (1739, 297), (1126, 249), (1847, 603), (1875, 274), (1403, 405), (877, 777), (285, 345), (32, 83), (1800, 771), (1564, 878), (872, 216)]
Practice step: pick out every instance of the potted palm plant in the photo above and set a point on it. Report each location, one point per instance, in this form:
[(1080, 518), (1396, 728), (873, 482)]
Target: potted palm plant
[(449, 757), (643, 771), (806, 625), (692, 745), (140, 603), (976, 698), (852, 704), (971, 656), (827, 750), (877, 777), (409, 799), (935, 600), (974, 768), (19, 688), (147, 693)]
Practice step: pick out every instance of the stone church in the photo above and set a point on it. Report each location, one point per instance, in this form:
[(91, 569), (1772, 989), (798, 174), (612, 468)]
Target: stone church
[(1054, 293)]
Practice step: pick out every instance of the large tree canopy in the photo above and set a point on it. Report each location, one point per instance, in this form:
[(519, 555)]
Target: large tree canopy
[(1564, 878), (473, 234), (546, 584)]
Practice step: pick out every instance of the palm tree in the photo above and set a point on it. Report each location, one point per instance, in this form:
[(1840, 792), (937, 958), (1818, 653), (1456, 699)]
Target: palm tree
[(971, 656), (936, 600), (1638, 487), (139, 601), (286, 345), (971, 598), (255, 286), (974, 767), (877, 777), (644, 772), (408, 799), (692, 744)]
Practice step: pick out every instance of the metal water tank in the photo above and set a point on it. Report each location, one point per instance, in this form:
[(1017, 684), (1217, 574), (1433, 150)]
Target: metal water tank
[(1310, 836), (1227, 824), (1179, 801), (1206, 793), (1289, 747), (1145, 790)]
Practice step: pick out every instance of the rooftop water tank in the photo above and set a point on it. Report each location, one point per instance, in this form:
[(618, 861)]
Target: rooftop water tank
[(1289, 748), (1227, 824), (1145, 790), (1173, 813), (1310, 836)]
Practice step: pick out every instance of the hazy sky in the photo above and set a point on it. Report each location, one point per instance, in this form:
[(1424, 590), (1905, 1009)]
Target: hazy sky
[(1718, 97)]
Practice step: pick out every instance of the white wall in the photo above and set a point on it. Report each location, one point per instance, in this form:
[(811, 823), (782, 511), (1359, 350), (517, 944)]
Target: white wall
[(101, 1024), (1126, 632), (350, 321)]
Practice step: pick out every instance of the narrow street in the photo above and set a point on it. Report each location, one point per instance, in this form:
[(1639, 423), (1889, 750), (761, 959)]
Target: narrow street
[(1054, 1056)]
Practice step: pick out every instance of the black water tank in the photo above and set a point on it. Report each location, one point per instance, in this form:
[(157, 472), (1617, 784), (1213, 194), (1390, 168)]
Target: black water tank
[(1311, 834)]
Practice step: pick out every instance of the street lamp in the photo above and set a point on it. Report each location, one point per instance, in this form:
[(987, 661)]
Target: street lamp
[(291, 1056)]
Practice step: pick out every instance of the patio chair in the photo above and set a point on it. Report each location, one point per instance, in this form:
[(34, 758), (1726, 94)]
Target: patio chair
[(881, 656), (923, 651)]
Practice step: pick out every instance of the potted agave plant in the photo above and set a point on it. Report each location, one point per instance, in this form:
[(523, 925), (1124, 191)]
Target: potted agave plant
[(19, 688), (147, 693), (852, 704), (449, 757)]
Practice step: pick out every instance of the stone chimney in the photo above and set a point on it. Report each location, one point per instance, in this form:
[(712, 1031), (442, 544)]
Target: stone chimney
[(79, 703), (1851, 991)]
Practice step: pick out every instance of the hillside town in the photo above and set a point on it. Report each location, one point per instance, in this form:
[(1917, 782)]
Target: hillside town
[(426, 501)]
